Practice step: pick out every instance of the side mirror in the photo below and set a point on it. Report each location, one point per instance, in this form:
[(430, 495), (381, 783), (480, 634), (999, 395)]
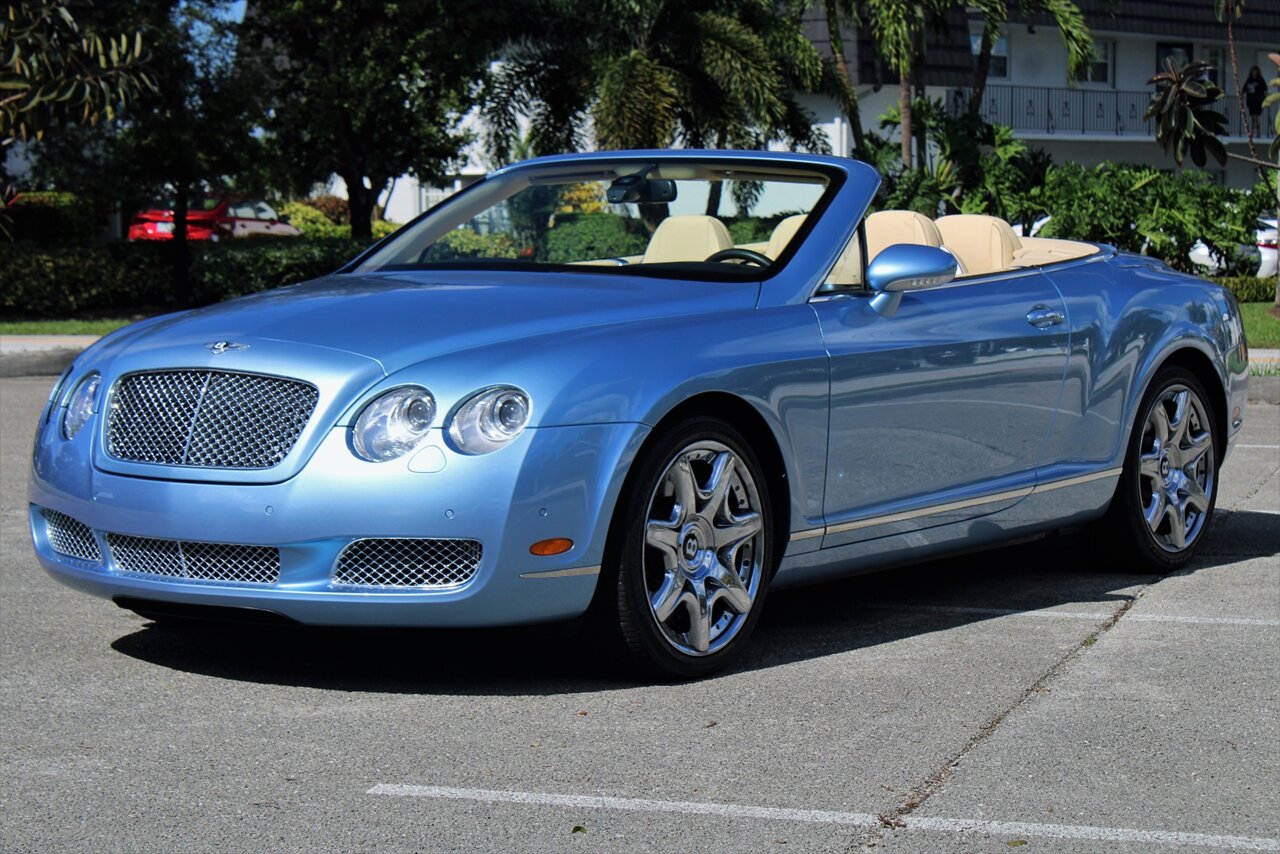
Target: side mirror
[(907, 267)]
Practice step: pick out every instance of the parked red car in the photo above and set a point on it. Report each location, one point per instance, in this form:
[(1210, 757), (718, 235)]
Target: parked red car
[(213, 218)]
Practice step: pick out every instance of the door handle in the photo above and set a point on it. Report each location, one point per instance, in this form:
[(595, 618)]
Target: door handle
[(1042, 317)]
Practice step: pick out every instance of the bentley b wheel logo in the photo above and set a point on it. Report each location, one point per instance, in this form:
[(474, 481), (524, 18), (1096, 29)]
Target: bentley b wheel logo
[(217, 348)]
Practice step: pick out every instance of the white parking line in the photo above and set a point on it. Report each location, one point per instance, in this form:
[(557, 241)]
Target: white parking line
[(855, 819), (1268, 447), (1077, 615)]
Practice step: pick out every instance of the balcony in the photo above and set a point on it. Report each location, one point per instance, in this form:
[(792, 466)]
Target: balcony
[(1039, 111)]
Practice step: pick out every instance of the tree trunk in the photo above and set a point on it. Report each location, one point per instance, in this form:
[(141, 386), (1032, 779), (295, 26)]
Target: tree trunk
[(1235, 82), (180, 268), (982, 71), (713, 198), (917, 85), (852, 112), (360, 202), (904, 109)]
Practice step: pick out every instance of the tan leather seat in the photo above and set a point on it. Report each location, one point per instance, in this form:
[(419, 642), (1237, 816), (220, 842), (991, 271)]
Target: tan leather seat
[(886, 228), (782, 234), (686, 238), (984, 244)]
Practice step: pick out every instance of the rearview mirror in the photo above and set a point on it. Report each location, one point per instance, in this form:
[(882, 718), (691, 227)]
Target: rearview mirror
[(638, 189), (907, 267)]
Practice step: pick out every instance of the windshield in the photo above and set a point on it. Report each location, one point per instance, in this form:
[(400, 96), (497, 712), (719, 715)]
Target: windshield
[(684, 218)]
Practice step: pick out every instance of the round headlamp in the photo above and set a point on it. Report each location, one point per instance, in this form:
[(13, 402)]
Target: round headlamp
[(393, 424), (81, 405), (490, 419)]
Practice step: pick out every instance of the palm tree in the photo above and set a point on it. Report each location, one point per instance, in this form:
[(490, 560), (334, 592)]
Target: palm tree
[(1229, 10), (840, 85), (649, 73), (1066, 17)]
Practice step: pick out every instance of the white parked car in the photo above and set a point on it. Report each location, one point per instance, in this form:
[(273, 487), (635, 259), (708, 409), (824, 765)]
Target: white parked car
[(1264, 249)]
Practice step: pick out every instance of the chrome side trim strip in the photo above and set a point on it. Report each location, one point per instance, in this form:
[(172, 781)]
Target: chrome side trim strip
[(563, 573), (1079, 479), (906, 515)]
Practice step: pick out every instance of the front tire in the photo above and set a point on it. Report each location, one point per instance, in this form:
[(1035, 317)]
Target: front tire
[(1166, 495), (691, 552)]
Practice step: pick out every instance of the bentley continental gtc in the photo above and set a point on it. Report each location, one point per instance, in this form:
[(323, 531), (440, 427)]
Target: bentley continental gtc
[(645, 388)]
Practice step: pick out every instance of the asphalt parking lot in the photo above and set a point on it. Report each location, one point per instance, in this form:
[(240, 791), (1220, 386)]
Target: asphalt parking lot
[(1023, 698)]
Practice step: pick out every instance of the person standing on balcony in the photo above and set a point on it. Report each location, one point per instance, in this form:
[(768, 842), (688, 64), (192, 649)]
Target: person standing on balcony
[(1254, 91)]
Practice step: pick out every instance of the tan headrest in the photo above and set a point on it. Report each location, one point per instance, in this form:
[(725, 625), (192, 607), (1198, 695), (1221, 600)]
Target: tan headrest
[(885, 228), (687, 238), (984, 244), (782, 234)]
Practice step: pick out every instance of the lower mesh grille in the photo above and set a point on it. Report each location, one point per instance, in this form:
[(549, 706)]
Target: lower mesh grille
[(70, 537), (199, 561), (408, 563)]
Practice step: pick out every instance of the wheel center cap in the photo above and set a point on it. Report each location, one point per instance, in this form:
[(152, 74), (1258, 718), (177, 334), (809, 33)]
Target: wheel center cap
[(691, 546), (1164, 466)]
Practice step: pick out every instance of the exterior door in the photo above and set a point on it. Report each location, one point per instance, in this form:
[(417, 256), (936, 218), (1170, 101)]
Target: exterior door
[(939, 412)]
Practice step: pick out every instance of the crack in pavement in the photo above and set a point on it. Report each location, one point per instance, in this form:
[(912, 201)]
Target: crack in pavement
[(935, 782)]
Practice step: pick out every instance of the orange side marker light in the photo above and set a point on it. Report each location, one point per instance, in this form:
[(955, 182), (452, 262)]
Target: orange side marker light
[(553, 546)]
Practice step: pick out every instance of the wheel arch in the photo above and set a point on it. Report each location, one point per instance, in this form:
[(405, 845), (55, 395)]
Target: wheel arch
[(740, 414), (1200, 365)]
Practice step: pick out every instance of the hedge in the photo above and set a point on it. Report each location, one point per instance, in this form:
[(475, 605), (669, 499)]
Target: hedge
[(40, 281), (45, 281), (1250, 288)]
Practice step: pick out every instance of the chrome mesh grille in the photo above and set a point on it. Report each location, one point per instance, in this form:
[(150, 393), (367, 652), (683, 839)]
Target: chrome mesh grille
[(69, 536), (408, 563), (207, 419), (199, 561)]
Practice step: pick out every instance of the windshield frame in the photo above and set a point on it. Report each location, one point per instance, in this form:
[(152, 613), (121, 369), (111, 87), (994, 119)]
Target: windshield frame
[(603, 165)]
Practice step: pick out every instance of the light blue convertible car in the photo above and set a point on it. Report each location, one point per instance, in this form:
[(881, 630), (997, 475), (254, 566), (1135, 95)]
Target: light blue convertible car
[(642, 386)]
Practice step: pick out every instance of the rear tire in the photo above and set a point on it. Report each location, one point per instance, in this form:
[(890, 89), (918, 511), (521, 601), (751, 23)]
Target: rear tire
[(1169, 486), (690, 553)]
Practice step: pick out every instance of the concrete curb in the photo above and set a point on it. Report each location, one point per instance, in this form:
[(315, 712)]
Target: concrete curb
[(51, 361), (37, 363)]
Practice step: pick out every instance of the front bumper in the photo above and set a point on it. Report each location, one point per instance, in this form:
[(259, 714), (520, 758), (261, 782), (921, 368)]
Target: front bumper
[(551, 482)]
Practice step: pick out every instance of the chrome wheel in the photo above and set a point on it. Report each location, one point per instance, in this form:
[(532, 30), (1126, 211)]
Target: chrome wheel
[(1176, 468), (704, 548)]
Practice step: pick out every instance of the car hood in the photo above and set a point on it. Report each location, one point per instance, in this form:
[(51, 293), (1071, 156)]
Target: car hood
[(400, 319)]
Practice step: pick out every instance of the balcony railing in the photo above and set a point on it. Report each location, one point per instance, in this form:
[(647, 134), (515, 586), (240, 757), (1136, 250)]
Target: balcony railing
[(1085, 112)]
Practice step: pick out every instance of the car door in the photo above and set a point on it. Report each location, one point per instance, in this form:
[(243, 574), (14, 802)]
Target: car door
[(939, 411)]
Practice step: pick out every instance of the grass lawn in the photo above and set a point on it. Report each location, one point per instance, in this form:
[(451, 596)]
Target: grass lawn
[(1261, 327), (63, 327)]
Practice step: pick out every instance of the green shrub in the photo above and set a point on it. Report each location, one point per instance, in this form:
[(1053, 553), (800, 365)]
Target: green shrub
[(751, 229), (51, 217), (465, 243), (40, 281), (1139, 209), (589, 236), (311, 222), (335, 208), (1249, 288)]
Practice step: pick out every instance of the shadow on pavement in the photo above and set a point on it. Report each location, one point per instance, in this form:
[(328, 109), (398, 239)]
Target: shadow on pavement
[(798, 624)]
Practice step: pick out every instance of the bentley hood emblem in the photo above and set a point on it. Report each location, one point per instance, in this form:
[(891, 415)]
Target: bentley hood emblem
[(217, 348)]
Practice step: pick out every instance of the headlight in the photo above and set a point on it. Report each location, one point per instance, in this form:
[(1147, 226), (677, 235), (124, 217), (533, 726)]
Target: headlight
[(490, 419), (81, 406), (394, 424)]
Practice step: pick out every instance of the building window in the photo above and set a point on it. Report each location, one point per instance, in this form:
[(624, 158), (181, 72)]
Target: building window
[(1215, 56), (1097, 70), (1179, 52), (999, 68)]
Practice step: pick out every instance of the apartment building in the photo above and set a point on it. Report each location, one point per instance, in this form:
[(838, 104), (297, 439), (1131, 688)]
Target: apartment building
[(1090, 117)]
